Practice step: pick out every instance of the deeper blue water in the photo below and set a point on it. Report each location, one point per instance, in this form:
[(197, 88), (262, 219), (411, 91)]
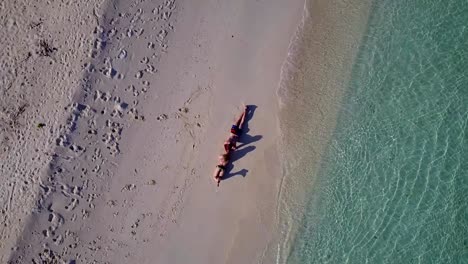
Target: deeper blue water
[(394, 184)]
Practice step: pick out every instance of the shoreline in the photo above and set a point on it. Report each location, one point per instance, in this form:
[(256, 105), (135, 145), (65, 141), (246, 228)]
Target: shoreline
[(313, 81), (392, 169)]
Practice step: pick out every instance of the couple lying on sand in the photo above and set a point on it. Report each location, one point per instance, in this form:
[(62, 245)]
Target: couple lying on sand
[(229, 146)]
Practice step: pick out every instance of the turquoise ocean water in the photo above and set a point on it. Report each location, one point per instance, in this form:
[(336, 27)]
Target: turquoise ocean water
[(393, 187)]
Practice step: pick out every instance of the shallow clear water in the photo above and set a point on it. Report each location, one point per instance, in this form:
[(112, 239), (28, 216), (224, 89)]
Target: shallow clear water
[(394, 184)]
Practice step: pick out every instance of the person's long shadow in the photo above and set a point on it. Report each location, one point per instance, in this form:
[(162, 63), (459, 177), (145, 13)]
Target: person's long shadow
[(243, 149), (245, 138)]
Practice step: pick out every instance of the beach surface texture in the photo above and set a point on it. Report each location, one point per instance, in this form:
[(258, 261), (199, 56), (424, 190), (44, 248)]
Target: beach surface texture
[(112, 116)]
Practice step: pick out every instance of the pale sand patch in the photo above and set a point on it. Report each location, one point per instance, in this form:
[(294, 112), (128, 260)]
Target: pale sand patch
[(238, 51), (131, 181)]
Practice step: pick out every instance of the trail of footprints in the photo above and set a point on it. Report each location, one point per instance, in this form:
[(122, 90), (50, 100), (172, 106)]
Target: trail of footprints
[(95, 126)]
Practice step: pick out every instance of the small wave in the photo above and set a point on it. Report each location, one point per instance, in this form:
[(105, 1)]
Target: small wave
[(290, 65), (289, 70), (312, 83)]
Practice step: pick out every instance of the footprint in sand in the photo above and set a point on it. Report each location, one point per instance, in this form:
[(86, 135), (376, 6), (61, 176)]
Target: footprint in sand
[(133, 90), (139, 75), (130, 32), (72, 205), (150, 68), (151, 45), (134, 113), (162, 34), (58, 240), (104, 96), (139, 32), (162, 117), (122, 54), (144, 60), (56, 220), (76, 148), (89, 67), (128, 187)]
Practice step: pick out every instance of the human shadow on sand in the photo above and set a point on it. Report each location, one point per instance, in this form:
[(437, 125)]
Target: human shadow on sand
[(242, 149)]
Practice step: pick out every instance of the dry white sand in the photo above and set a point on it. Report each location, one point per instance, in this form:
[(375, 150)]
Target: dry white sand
[(137, 103)]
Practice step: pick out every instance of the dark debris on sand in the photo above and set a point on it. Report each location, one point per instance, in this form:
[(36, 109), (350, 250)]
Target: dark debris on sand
[(45, 49)]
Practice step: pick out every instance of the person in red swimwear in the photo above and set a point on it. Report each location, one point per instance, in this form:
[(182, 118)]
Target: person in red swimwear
[(229, 146), (231, 143)]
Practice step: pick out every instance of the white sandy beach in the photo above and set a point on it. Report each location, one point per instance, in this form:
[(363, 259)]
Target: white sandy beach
[(150, 89)]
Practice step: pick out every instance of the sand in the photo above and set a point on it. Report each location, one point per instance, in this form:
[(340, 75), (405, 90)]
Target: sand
[(43, 49), (137, 99)]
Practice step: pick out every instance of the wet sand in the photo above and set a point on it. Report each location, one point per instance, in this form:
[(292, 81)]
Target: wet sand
[(314, 81)]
